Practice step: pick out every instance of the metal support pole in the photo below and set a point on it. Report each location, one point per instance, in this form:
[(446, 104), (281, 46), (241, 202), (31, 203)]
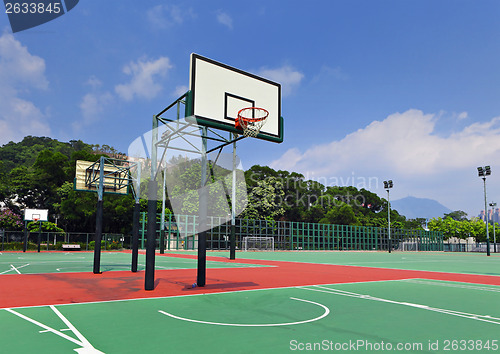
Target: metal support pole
[(149, 279), (494, 238), (493, 205), (202, 226), (98, 219), (135, 235), (149, 282), (232, 238), (487, 222), (162, 222), (39, 237), (25, 247)]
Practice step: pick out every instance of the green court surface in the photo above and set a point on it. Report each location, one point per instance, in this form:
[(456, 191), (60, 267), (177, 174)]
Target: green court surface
[(408, 316), (412, 315), (63, 262), (464, 263)]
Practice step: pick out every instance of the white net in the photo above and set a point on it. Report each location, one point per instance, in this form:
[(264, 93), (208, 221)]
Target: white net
[(255, 243), (251, 120)]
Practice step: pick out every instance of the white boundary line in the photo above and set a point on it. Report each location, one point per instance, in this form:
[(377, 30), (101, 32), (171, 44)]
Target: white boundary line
[(14, 268), (83, 340), (218, 293), (472, 316), (452, 285), (327, 311), (86, 347)]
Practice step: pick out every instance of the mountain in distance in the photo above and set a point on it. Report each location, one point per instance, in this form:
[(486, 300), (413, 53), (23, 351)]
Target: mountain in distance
[(413, 207)]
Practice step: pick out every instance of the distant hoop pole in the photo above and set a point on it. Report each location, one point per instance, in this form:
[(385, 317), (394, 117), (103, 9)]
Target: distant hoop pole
[(98, 219), (135, 235), (39, 237), (25, 247)]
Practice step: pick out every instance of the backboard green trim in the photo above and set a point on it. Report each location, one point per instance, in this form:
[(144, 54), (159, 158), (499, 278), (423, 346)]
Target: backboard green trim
[(214, 124)]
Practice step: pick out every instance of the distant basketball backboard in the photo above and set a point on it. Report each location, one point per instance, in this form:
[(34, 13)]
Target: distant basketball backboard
[(217, 92), (116, 179), (36, 214)]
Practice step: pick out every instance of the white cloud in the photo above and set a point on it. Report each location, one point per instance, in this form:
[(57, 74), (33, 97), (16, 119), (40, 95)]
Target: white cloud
[(20, 72), (287, 76), (145, 75), (94, 82), (164, 16), (225, 19), (404, 147), (18, 67), (329, 73), (180, 90), (92, 105)]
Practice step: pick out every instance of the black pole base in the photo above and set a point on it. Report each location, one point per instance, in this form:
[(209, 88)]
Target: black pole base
[(149, 279), (135, 237), (232, 241), (98, 237)]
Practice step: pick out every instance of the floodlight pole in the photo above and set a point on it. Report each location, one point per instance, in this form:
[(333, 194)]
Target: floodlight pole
[(493, 205), (486, 218), (98, 219), (483, 172), (389, 220), (388, 185)]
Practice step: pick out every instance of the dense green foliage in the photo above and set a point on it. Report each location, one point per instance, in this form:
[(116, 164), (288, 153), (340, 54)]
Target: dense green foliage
[(284, 195), (461, 228), (38, 172)]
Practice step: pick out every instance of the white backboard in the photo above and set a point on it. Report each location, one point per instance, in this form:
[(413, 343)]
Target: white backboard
[(36, 214), (219, 91)]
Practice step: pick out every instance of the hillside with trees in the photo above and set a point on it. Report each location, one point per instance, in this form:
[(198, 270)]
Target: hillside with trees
[(38, 172)]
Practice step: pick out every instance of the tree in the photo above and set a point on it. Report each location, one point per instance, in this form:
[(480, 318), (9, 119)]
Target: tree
[(47, 226), (265, 200), (340, 215), (457, 215)]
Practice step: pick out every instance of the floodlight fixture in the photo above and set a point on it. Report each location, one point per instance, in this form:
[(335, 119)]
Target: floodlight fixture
[(483, 172), (388, 185)]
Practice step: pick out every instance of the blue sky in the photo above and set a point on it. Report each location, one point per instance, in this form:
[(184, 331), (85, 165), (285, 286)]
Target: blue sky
[(373, 90)]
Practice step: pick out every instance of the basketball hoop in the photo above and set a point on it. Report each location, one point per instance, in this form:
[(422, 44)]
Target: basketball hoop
[(251, 120)]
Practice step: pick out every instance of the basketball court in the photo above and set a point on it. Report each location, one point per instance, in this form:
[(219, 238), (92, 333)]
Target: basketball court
[(253, 304), (154, 301)]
